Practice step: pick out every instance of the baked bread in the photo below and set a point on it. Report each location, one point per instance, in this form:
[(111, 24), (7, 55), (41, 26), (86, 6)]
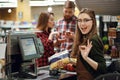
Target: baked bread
[(60, 63)]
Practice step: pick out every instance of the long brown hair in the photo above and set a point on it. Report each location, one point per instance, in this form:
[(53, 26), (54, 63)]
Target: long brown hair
[(43, 20), (79, 37)]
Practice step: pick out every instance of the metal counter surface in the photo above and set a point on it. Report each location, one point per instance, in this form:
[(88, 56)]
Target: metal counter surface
[(43, 74)]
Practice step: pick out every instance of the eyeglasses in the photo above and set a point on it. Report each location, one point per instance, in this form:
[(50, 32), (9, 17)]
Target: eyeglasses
[(84, 20)]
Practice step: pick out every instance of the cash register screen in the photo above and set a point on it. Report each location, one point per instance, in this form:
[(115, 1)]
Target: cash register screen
[(28, 48)]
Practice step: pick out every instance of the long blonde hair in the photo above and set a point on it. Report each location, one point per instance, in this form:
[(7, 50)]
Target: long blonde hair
[(79, 37)]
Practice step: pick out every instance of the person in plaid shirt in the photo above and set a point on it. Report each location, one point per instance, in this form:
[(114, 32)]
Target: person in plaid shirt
[(66, 27), (45, 24)]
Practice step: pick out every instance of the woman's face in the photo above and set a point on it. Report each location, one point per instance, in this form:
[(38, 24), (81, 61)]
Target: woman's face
[(51, 21), (85, 23)]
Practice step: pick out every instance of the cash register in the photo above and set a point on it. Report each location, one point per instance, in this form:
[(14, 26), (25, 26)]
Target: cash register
[(22, 50)]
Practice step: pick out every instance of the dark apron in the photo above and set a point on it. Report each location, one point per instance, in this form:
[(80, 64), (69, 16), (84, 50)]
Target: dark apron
[(82, 73)]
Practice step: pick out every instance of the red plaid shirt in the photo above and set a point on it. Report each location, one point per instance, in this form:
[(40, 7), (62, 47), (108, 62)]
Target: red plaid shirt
[(48, 49), (62, 27)]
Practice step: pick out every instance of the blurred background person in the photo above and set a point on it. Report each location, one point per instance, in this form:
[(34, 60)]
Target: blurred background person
[(45, 24), (66, 27)]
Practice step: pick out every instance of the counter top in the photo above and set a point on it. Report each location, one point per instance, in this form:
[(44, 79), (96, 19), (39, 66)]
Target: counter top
[(43, 74)]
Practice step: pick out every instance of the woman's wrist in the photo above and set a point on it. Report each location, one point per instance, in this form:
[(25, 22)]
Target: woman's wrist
[(86, 58), (50, 36)]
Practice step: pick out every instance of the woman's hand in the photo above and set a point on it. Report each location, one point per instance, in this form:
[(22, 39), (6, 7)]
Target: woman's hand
[(85, 49), (52, 34)]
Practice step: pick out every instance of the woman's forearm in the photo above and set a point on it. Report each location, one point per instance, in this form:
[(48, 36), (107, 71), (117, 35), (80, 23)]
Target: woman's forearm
[(92, 63)]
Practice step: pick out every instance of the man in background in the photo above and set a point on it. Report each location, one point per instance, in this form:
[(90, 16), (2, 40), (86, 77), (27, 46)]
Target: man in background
[(66, 27)]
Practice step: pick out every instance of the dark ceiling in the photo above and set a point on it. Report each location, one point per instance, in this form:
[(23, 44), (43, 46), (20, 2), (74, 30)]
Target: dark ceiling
[(101, 7)]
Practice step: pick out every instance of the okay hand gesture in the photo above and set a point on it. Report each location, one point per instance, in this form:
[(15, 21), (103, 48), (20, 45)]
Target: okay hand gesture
[(85, 49)]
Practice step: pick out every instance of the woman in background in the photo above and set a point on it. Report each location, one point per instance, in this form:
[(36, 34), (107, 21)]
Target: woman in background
[(45, 24), (88, 47)]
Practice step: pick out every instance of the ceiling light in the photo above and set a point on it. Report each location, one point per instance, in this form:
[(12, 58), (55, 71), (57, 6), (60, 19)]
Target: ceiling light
[(9, 10), (49, 9)]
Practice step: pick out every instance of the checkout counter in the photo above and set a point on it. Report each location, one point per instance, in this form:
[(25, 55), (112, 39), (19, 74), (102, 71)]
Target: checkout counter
[(44, 74)]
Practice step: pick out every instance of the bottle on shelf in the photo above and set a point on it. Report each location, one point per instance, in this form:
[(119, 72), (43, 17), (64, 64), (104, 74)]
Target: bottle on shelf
[(105, 27)]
